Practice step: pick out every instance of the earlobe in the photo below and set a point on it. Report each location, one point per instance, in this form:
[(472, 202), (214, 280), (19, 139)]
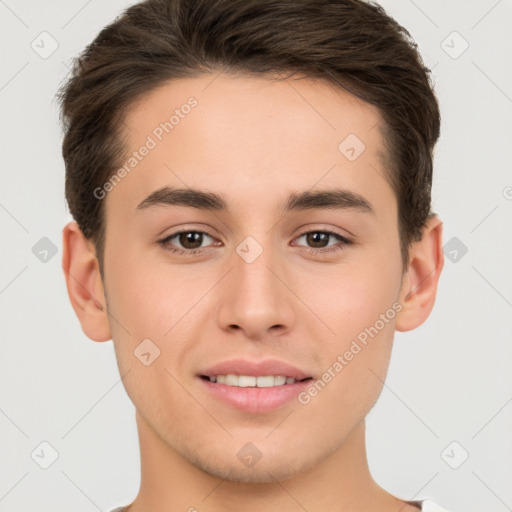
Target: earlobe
[(84, 283), (419, 286)]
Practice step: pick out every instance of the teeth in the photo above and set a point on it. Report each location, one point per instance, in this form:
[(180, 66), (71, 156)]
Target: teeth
[(246, 381), (265, 382), (231, 380)]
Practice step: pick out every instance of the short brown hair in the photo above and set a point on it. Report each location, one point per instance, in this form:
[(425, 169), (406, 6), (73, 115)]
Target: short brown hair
[(351, 43)]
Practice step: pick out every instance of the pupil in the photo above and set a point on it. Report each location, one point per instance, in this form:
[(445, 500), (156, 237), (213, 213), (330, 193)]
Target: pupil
[(317, 239), (191, 239)]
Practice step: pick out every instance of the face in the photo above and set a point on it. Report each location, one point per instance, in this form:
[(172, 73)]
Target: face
[(288, 266)]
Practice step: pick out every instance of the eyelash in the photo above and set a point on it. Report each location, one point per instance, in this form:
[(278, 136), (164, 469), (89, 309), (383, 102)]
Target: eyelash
[(165, 243)]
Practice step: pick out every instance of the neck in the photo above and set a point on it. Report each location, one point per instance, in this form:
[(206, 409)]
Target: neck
[(342, 482)]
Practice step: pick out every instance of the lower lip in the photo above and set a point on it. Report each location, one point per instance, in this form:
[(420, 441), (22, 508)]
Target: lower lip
[(256, 399)]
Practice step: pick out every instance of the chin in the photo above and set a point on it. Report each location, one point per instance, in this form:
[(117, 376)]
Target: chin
[(256, 475), (263, 471)]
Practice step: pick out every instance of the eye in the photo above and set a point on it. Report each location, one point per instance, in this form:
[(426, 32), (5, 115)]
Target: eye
[(319, 240), (190, 242)]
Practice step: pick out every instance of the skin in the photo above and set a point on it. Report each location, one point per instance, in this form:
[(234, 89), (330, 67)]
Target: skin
[(253, 141)]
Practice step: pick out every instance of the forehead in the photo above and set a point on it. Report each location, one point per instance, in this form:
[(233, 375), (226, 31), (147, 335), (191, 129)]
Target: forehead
[(250, 137)]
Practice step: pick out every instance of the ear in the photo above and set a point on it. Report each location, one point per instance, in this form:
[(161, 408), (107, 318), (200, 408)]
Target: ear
[(84, 283), (419, 286)]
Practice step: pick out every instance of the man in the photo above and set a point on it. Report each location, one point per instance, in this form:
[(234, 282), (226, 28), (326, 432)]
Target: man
[(250, 182)]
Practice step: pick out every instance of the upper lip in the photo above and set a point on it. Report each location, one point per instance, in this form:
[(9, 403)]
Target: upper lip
[(255, 368)]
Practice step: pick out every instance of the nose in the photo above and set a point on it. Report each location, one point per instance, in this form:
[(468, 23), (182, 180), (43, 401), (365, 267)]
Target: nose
[(255, 297)]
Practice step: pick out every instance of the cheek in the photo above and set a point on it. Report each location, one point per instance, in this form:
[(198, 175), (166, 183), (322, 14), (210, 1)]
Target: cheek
[(359, 305), (149, 308), (355, 359), (150, 298), (352, 300), (153, 308)]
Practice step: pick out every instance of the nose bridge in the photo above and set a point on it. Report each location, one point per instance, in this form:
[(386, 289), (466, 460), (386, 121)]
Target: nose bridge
[(255, 299), (252, 268)]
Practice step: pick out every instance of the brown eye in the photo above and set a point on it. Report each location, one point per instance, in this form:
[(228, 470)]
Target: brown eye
[(191, 239), (317, 239), (186, 242), (322, 239)]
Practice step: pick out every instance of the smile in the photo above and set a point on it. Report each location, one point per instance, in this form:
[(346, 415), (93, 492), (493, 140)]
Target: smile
[(251, 381)]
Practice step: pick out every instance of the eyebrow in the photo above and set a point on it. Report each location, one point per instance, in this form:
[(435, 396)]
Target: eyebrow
[(323, 199)]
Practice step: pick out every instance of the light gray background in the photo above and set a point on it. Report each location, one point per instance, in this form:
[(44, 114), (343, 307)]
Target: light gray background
[(449, 380)]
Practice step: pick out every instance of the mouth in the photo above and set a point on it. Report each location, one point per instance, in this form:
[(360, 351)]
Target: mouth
[(255, 387), (252, 381)]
